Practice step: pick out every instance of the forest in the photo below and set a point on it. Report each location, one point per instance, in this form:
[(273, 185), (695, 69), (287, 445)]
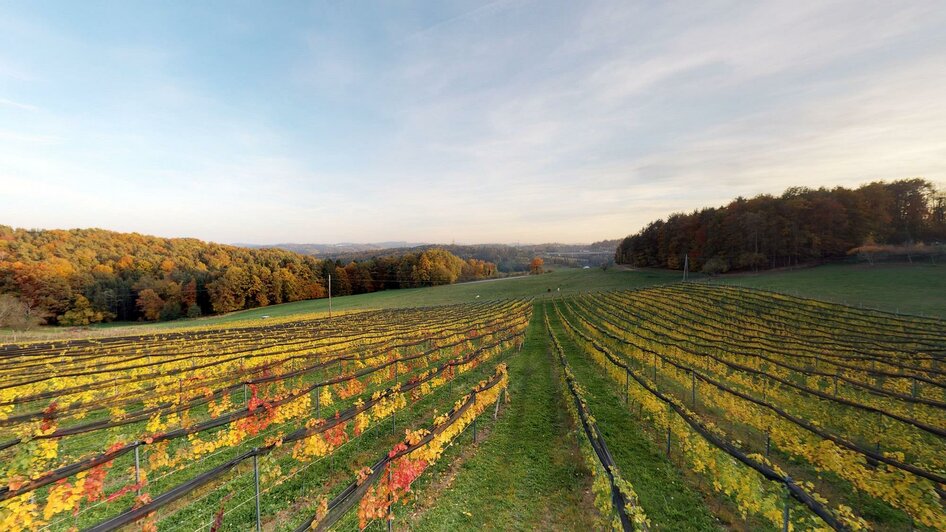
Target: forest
[(83, 276), (802, 225)]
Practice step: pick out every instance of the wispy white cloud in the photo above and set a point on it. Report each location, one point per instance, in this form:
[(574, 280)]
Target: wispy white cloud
[(474, 13), (14, 136), (17, 105)]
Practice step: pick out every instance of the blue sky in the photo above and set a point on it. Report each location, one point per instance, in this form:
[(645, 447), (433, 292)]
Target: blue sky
[(452, 121)]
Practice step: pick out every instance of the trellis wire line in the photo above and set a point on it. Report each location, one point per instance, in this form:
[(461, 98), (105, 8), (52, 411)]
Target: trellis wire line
[(222, 449), (165, 475), (369, 523), (202, 497), (253, 498), (218, 488), (169, 473), (288, 476)]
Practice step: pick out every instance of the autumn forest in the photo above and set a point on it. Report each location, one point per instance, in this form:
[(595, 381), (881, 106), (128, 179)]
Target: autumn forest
[(83, 276), (801, 226)]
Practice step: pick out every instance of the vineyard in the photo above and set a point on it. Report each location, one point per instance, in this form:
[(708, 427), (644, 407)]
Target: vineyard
[(789, 412), (283, 426), (686, 407)]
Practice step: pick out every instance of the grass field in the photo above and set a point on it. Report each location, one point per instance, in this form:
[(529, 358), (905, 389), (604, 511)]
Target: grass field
[(907, 288), (564, 281), (919, 288), (913, 289)]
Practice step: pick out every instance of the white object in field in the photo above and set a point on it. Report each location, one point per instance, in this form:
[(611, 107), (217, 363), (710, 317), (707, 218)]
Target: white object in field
[(264, 317), (477, 296)]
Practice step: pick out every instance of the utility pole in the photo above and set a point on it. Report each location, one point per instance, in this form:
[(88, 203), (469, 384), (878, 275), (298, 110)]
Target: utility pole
[(329, 295), (686, 265)]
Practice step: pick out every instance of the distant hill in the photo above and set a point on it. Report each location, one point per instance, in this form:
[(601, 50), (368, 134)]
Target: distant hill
[(508, 258), (327, 250)]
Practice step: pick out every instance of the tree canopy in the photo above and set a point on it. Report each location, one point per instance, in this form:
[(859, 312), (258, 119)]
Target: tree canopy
[(82, 276), (801, 225)]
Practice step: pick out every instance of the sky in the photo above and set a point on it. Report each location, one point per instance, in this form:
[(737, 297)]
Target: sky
[(444, 121)]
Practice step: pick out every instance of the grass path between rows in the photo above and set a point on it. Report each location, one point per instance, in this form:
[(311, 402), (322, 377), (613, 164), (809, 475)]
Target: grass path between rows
[(669, 501), (525, 474)]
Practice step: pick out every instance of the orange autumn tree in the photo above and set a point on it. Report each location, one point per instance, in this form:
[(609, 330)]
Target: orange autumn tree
[(535, 267), (150, 303)]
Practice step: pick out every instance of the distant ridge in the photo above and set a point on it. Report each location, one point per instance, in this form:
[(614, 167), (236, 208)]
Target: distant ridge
[(334, 249), (508, 257)]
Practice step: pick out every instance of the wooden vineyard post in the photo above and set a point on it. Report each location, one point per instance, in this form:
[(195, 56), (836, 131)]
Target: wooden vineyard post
[(259, 522), (668, 437), (390, 501), (137, 468), (655, 369), (318, 403), (394, 412), (474, 419), (244, 395), (502, 393), (693, 388), (786, 513), (768, 444), (627, 384)]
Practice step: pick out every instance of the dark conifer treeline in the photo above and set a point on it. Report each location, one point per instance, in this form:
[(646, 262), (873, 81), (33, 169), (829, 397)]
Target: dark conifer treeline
[(801, 225), (81, 276)]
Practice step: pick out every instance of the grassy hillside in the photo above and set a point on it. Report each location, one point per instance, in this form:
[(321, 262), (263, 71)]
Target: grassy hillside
[(566, 281), (907, 288), (918, 288)]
